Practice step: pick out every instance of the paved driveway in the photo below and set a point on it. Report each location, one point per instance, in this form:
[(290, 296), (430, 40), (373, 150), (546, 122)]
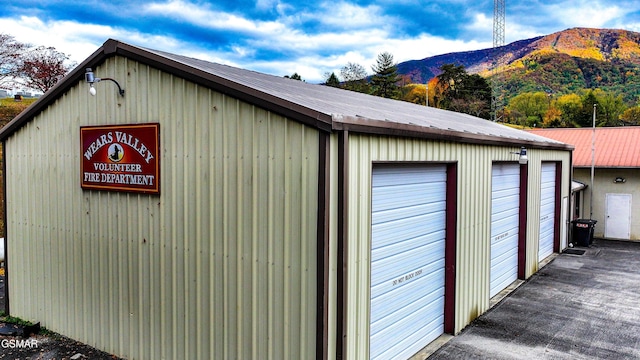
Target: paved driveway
[(577, 307)]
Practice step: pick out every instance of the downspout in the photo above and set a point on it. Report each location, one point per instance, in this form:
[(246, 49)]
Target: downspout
[(6, 233), (343, 229), (522, 221), (322, 250), (569, 209)]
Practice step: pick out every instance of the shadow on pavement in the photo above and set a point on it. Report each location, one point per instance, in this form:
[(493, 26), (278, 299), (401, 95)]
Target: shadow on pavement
[(577, 307)]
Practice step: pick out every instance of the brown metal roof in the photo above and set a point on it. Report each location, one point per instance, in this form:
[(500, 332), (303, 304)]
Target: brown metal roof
[(615, 147), (323, 107)]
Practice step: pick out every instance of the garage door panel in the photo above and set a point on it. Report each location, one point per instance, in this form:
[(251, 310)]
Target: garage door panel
[(416, 216), (422, 308), (503, 184), (547, 210), (504, 247), (505, 224), (394, 248), (418, 337), (391, 197), (407, 259), (501, 282), (405, 229), (409, 332), (507, 255), (393, 304), (387, 268), (501, 204), (397, 285), (393, 214), (395, 176)]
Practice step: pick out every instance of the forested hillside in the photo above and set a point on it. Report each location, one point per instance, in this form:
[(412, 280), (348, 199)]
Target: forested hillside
[(560, 63), (558, 72)]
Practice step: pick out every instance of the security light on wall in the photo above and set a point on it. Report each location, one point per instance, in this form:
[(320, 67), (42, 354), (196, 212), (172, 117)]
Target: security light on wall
[(523, 159), (91, 79)]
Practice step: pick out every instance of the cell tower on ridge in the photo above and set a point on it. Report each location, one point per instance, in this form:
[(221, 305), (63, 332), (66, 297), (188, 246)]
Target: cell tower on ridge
[(497, 61)]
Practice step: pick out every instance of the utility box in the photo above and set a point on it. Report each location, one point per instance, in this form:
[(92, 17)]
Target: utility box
[(583, 231)]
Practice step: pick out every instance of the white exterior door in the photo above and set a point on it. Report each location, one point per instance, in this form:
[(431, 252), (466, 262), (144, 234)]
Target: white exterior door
[(617, 220), (407, 259), (564, 222), (505, 223), (547, 210)]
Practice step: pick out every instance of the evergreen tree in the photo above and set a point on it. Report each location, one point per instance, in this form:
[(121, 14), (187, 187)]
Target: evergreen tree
[(295, 76), (332, 80), (458, 91), (385, 77), (585, 115)]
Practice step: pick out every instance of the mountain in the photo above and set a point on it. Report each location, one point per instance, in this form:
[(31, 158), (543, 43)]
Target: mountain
[(559, 63)]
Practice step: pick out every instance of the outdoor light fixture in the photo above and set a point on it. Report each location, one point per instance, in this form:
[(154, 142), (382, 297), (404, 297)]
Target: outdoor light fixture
[(620, 180), (90, 78), (523, 159)]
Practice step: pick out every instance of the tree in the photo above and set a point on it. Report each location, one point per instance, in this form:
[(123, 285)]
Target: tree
[(631, 116), (585, 114), (332, 80), (434, 93), (385, 77), (553, 118), (355, 77), (611, 107), (449, 82), (415, 93), (295, 76), (11, 52), (43, 67), (570, 106), (477, 93), (531, 107), (458, 91)]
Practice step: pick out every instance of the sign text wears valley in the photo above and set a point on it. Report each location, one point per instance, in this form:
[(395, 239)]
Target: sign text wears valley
[(120, 158)]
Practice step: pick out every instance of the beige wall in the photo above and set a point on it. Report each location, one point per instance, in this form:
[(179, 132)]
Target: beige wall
[(604, 184), (473, 228), (221, 265)]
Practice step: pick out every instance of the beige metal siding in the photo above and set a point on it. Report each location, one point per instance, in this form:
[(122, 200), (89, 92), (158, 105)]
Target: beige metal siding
[(473, 212), (221, 265), (604, 184), (533, 197)]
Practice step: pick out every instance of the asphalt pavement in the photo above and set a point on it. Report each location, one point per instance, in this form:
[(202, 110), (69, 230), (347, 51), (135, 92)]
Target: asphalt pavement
[(576, 307)]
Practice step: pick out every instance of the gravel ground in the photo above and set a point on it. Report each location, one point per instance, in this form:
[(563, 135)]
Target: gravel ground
[(47, 346)]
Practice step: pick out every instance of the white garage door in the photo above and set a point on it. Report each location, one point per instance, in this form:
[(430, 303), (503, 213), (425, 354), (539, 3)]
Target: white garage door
[(547, 210), (407, 259), (505, 223)]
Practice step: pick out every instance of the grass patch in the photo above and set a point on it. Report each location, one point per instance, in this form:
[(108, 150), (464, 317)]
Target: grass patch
[(7, 319)]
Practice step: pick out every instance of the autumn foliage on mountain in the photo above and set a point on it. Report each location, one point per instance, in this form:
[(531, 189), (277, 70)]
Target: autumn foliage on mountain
[(554, 80)]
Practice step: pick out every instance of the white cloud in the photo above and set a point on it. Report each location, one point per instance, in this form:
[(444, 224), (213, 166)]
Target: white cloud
[(584, 13), (79, 40), (353, 33), (530, 19), (209, 19), (343, 15), (34, 31)]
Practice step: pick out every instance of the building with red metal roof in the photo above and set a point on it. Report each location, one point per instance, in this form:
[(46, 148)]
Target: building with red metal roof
[(616, 147), (616, 180)]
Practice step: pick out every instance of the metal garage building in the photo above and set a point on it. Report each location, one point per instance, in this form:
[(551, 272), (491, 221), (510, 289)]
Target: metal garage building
[(217, 212)]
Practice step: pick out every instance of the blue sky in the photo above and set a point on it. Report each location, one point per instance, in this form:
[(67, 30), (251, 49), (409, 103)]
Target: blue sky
[(312, 38)]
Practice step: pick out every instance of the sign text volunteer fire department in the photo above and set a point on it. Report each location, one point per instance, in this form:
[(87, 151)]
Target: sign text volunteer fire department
[(120, 157)]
